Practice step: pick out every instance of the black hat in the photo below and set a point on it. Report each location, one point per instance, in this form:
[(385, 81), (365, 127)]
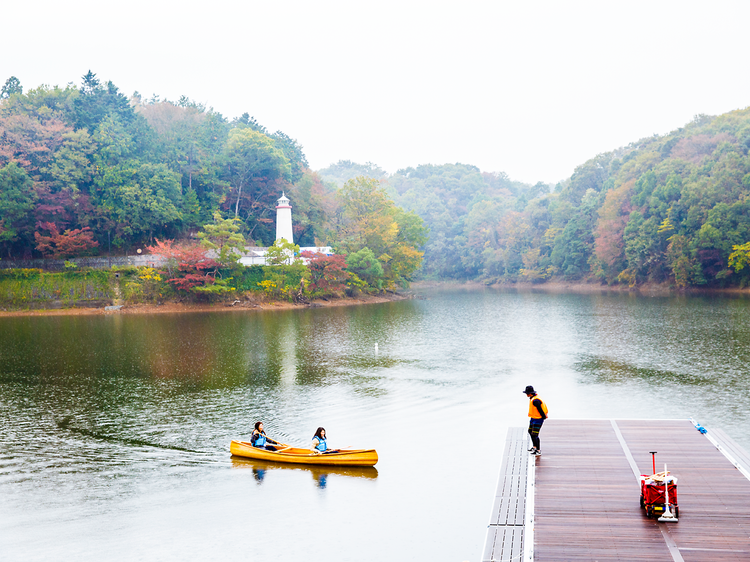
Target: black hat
[(529, 390)]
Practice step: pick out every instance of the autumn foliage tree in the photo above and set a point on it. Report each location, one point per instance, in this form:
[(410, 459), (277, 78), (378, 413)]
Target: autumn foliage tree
[(370, 219), (609, 246), (70, 243), (328, 274), (188, 268)]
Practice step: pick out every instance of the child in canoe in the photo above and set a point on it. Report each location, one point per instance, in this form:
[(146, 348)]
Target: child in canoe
[(260, 439), (319, 444)]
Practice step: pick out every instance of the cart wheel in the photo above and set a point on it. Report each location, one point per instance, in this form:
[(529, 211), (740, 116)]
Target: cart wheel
[(649, 511), (643, 503), (677, 512)]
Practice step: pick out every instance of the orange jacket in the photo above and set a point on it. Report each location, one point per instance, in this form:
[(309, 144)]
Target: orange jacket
[(533, 411)]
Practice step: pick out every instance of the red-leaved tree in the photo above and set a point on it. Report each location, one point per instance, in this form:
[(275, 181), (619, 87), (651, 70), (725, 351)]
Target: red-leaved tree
[(328, 274), (187, 267), (70, 243)]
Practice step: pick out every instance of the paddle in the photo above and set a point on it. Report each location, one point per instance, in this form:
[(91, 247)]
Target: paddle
[(281, 445), (329, 451)]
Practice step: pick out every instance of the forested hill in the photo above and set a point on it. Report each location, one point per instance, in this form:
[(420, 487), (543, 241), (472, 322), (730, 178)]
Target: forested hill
[(664, 209), (86, 169)]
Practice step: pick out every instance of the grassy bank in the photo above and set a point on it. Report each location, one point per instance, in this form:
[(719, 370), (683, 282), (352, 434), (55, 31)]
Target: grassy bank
[(36, 289)]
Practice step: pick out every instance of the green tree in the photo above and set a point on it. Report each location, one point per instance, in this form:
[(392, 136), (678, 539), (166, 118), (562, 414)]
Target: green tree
[(12, 86), (590, 175), (224, 238), (288, 281), (682, 262), (254, 162), (17, 199), (366, 267), (114, 142), (314, 205), (71, 166), (572, 249), (96, 101), (282, 253), (190, 140), (293, 152), (191, 208), (726, 226), (142, 199)]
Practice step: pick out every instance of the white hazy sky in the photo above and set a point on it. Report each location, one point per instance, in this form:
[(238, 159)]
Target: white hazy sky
[(531, 88)]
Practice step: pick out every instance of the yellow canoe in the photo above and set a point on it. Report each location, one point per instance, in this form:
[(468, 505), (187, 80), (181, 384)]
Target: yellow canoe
[(367, 472), (345, 457)]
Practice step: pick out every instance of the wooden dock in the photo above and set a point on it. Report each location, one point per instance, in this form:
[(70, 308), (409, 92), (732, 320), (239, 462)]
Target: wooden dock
[(580, 499)]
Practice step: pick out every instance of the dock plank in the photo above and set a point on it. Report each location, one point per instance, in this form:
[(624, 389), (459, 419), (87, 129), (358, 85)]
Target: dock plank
[(586, 505), (714, 497), (587, 501), (505, 533), (587, 496), (732, 447)]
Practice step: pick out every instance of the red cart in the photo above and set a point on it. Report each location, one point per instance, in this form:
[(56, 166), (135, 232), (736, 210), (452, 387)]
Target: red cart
[(659, 494)]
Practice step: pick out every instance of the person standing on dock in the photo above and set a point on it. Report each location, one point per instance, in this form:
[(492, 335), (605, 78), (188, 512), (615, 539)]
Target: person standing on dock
[(537, 413)]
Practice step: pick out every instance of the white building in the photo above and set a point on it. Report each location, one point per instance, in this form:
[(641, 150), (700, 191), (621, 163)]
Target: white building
[(284, 220), (257, 256)]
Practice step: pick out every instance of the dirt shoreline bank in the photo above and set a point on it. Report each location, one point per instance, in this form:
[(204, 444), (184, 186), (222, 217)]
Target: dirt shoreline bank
[(175, 308), (558, 287)]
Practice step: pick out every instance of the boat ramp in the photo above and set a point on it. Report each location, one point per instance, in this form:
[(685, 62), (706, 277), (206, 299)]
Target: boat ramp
[(580, 499)]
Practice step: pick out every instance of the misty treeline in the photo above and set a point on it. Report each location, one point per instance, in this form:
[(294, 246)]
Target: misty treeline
[(86, 171), (670, 208)]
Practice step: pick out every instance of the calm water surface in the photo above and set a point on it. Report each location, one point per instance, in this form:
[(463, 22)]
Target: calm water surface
[(114, 430)]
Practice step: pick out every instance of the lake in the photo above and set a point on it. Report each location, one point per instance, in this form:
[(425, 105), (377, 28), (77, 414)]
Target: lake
[(115, 430)]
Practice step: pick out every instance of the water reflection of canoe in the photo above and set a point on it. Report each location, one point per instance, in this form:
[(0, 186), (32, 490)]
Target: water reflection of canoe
[(317, 471), (345, 457)]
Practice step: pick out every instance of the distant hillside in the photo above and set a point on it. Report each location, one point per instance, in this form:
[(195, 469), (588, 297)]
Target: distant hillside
[(667, 208), (345, 170), (664, 209), (86, 170)]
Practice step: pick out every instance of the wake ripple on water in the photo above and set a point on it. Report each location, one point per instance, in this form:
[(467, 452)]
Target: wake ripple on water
[(69, 449), (65, 424)]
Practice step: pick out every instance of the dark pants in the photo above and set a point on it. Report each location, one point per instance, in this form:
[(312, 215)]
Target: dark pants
[(534, 427)]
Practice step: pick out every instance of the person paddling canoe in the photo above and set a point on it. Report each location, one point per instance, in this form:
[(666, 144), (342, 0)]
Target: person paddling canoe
[(260, 439), (319, 443)]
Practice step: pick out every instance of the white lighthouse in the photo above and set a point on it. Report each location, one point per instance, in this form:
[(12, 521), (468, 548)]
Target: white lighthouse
[(284, 219), (257, 256)]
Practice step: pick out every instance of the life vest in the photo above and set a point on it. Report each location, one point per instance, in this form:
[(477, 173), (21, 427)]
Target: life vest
[(321, 446), (533, 412), (260, 440)]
